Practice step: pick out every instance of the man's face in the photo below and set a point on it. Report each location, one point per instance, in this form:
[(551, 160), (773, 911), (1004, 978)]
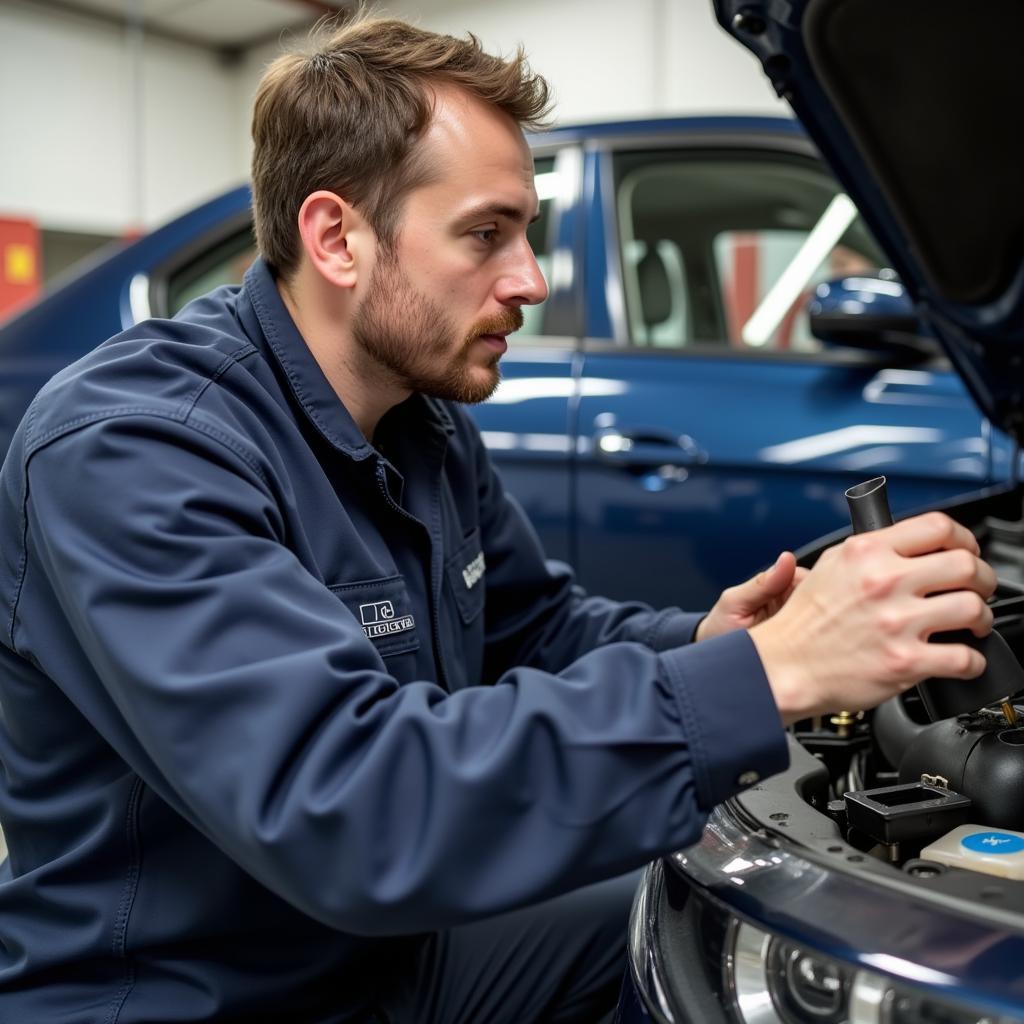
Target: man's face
[(438, 309)]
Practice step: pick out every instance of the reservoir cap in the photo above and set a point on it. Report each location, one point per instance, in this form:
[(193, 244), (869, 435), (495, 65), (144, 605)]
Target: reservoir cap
[(977, 848), (998, 843)]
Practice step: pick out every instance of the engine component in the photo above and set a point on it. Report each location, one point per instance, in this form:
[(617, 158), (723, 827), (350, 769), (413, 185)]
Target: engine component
[(909, 813), (1003, 677), (834, 749), (981, 758), (895, 728)]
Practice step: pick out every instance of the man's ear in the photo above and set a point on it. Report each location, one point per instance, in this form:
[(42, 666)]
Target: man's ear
[(336, 238)]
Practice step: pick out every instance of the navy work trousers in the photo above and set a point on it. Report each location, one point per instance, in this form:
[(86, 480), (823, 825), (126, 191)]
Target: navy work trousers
[(560, 962)]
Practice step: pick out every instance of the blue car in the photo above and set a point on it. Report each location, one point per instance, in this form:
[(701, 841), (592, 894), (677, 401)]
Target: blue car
[(880, 880), (724, 349)]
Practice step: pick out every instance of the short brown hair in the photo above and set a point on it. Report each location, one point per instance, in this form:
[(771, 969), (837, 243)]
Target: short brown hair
[(346, 114)]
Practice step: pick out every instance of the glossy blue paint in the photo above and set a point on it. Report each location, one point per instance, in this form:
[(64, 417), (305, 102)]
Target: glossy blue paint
[(527, 427), (856, 295), (599, 264), (736, 448)]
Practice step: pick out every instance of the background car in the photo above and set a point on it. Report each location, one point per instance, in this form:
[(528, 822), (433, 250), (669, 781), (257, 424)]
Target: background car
[(667, 418), (878, 880)]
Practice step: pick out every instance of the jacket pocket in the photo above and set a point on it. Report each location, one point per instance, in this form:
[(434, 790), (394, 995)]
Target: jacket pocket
[(465, 570), (384, 612)]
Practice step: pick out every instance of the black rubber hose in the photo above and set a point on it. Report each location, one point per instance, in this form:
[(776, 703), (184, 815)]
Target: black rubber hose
[(869, 505), (944, 698)]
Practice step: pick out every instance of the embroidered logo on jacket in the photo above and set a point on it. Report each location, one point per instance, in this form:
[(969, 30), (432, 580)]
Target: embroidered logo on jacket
[(378, 619), (472, 573)]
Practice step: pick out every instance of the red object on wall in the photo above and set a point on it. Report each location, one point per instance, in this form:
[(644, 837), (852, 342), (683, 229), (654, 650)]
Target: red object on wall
[(21, 259)]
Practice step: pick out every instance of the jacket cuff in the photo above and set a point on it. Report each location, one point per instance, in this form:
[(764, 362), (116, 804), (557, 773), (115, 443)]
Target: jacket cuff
[(732, 725), (674, 628)]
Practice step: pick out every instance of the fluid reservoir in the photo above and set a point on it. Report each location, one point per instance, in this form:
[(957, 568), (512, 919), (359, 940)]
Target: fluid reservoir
[(978, 848)]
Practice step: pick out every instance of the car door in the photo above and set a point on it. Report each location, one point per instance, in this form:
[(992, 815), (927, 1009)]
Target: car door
[(714, 430)]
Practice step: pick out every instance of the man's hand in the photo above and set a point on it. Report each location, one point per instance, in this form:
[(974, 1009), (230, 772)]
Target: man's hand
[(856, 630), (749, 603)]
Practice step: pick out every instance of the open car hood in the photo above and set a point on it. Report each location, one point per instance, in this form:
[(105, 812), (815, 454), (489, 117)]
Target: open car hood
[(916, 105)]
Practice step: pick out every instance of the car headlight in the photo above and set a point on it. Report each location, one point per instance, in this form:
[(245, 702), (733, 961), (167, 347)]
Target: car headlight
[(802, 986), (773, 981)]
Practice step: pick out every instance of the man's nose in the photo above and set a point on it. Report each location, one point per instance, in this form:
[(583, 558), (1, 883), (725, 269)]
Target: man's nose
[(523, 284)]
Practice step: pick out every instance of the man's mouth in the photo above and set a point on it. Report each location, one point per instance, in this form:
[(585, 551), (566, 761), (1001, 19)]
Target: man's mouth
[(497, 342), (494, 331)]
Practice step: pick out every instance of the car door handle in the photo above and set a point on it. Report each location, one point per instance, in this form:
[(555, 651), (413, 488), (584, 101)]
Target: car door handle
[(642, 448)]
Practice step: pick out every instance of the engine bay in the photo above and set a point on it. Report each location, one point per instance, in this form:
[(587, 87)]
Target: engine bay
[(908, 788)]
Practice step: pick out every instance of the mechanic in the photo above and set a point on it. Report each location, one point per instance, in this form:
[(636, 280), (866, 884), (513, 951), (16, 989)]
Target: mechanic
[(298, 724)]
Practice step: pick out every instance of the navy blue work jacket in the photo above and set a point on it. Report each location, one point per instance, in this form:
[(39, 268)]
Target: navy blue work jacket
[(276, 701)]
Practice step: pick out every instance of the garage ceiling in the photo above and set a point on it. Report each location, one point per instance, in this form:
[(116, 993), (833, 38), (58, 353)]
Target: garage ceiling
[(218, 24)]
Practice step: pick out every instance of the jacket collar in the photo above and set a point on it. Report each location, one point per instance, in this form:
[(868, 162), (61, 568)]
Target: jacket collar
[(307, 381)]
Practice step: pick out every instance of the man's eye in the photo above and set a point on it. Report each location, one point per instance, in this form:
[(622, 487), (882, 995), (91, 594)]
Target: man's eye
[(485, 234)]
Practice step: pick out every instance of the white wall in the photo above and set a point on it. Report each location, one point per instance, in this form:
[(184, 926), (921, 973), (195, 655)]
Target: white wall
[(604, 60), (191, 146), (94, 140), (85, 148), (608, 60)]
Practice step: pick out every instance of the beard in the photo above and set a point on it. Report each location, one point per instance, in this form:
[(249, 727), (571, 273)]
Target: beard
[(416, 345)]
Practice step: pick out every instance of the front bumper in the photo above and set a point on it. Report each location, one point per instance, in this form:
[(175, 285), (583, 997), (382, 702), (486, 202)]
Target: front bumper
[(770, 869)]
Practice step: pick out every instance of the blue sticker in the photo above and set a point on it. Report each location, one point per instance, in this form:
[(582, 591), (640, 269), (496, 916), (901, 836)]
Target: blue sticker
[(993, 842)]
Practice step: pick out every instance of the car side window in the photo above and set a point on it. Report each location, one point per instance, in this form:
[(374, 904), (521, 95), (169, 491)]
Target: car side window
[(222, 262), (539, 236), (726, 248), (226, 260)]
